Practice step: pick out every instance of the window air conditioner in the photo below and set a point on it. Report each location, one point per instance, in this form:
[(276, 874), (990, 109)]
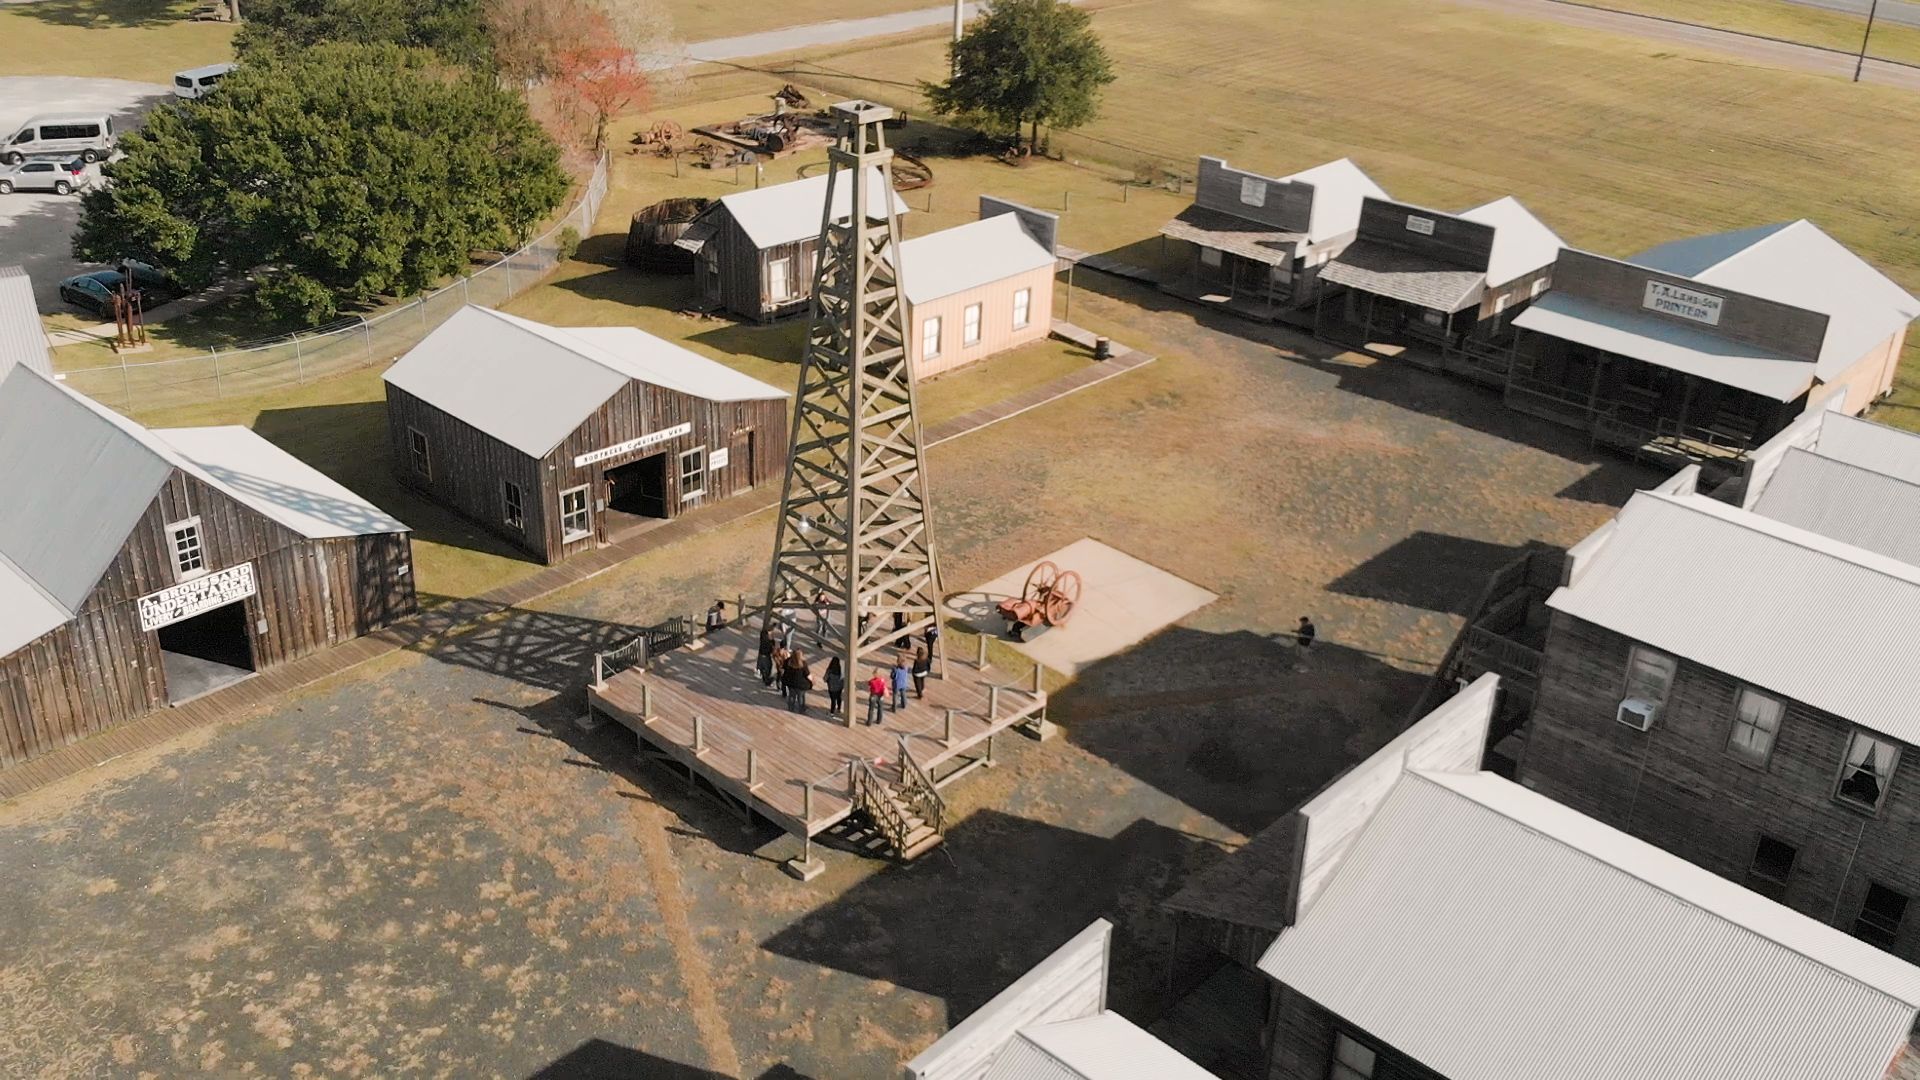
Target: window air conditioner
[(1637, 714)]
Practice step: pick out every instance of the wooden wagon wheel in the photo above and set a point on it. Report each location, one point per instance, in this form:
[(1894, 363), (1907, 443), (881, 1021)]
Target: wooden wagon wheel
[(1062, 598), (1039, 580)]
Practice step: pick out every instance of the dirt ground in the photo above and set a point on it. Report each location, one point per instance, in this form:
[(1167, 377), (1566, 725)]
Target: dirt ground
[(423, 869)]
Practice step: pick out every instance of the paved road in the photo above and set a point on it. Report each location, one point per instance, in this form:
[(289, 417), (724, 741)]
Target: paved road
[(1894, 11)]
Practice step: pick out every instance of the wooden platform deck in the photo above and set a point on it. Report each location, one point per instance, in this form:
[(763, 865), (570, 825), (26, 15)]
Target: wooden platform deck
[(793, 753)]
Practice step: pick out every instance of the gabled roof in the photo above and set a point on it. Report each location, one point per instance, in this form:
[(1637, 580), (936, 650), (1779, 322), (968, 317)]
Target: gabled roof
[(76, 478), (1338, 189), (1844, 502), (1483, 929), (789, 213), (1104, 1046), (23, 341), (1387, 270), (1798, 264), (1522, 243), (1790, 611), (968, 256), (1693, 350), (531, 385), (1869, 445)]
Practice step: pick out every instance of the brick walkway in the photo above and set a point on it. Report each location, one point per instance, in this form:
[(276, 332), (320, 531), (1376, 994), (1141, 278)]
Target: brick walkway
[(449, 618)]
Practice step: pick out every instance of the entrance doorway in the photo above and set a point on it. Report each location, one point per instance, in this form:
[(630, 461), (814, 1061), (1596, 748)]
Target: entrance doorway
[(202, 654), (636, 494)]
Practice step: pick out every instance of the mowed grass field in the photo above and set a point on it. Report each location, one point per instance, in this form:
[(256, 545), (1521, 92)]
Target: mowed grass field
[(1785, 20), (141, 40), (1616, 142)]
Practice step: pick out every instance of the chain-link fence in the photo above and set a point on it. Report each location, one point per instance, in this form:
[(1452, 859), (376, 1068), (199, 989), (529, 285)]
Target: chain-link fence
[(356, 343)]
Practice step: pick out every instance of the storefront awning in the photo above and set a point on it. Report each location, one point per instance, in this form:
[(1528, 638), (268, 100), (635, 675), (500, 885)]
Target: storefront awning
[(1234, 235), (1664, 343), (1401, 275)]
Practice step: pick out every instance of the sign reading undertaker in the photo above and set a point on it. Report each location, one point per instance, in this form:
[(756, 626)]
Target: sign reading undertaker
[(190, 598)]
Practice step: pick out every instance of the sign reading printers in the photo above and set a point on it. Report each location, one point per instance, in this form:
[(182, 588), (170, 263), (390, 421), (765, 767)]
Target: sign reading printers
[(190, 598), (651, 438), (1685, 303)]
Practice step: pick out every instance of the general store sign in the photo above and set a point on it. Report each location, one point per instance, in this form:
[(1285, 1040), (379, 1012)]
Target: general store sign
[(190, 598), (1684, 303), (652, 438)]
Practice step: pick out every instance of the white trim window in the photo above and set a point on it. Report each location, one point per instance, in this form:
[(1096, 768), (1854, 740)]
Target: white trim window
[(1881, 914), (417, 453), (693, 473), (930, 338), (1756, 722), (1867, 771), (1539, 287), (1211, 257), (780, 279), (513, 505), (970, 327), (1022, 307), (189, 551), (576, 515), (1649, 675), (1352, 1059), (1500, 305)]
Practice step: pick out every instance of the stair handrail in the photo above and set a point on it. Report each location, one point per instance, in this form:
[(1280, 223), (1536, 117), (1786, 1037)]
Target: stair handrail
[(870, 795), (919, 792)]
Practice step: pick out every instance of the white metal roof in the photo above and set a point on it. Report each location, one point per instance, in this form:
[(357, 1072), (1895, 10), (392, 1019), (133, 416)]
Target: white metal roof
[(1787, 610), (1796, 263), (1869, 445), (22, 339), (208, 69), (1338, 189), (968, 256), (26, 610), (1522, 243), (530, 385), (790, 212), (1105, 1046), (1668, 344), (1844, 502), (275, 483), (1484, 930)]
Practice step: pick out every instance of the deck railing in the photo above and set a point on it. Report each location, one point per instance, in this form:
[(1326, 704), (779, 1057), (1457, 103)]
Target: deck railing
[(1492, 651), (873, 796), (639, 650)]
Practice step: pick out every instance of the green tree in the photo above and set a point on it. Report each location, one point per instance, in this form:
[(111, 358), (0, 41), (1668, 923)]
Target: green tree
[(453, 28), (330, 176), (1025, 62)]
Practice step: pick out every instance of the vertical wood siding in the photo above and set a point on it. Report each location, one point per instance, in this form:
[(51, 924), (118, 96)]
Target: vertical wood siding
[(997, 332), (470, 469)]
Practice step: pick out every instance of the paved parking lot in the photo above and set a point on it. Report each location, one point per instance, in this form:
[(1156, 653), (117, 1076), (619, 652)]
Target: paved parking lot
[(35, 228)]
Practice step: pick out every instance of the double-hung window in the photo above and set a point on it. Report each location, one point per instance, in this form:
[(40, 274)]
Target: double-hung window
[(1867, 771), (780, 279), (693, 473), (417, 449), (1022, 307), (513, 506), (1352, 1059), (1649, 675), (576, 517), (930, 338), (970, 330), (1880, 916), (189, 554), (1756, 722)]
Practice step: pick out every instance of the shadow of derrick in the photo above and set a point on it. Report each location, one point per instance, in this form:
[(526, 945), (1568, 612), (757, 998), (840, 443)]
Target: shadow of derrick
[(598, 1059)]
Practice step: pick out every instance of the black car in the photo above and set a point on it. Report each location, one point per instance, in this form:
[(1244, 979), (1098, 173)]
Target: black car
[(94, 291)]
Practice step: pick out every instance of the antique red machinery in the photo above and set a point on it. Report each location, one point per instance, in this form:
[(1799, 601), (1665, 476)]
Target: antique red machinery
[(1047, 600)]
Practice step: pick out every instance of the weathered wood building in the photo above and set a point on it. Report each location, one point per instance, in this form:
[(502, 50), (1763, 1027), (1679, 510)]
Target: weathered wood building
[(1256, 244), (979, 288), (755, 252), (1439, 289), (1702, 349), (1733, 684), (140, 568), (561, 440), (1438, 922)]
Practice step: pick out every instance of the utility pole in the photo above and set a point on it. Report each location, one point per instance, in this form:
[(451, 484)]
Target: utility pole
[(1862, 61), (959, 25)]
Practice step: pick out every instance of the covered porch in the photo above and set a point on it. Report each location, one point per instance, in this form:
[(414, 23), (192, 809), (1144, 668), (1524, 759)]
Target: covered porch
[(1240, 265), (1400, 303)]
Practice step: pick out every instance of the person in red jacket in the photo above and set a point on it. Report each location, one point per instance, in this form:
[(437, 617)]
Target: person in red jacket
[(876, 696)]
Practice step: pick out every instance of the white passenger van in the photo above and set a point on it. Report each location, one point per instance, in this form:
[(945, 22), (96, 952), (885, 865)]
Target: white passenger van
[(195, 82), (88, 136)]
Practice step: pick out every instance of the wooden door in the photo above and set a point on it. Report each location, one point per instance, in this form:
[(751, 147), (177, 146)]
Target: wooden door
[(740, 460)]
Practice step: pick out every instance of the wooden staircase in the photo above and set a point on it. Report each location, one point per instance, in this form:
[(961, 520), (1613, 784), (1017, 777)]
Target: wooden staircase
[(907, 816)]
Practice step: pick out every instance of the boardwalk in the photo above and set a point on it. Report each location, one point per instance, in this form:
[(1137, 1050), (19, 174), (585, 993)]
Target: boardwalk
[(716, 683)]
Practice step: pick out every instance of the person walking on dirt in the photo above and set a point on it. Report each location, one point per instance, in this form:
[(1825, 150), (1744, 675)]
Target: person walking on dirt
[(836, 686), (1305, 634), (876, 696), (766, 656), (921, 665)]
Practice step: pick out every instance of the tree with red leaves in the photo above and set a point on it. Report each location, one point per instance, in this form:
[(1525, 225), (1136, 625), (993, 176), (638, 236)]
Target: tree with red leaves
[(600, 74)]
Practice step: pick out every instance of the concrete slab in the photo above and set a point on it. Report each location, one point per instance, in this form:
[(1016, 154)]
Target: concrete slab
[(1123, 601)]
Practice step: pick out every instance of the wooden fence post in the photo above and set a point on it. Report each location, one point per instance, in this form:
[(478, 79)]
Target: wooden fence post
[(599, 671), (699, 737), (981, 662), (948, 737), (1039, 674), (993, 703), (753, 768), (646, 702)]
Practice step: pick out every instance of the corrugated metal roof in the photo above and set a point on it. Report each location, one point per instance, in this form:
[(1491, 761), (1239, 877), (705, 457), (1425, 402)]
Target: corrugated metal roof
[(23, 341), (1491, 933), (1385, 270), (789, 213), (277, 484), (1668, 344), (1796, 263), (1339, 187), (1105, 1046), (968, 256), (1522, 243), (1844, 502), (1788, 610), (530, 385), (26, 611), (1869, 445)]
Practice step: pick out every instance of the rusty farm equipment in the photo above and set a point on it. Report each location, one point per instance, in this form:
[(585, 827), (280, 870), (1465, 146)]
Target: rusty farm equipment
[(1048, 599)]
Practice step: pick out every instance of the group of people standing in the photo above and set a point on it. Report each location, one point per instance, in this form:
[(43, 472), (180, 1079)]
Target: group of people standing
[(780, 661)]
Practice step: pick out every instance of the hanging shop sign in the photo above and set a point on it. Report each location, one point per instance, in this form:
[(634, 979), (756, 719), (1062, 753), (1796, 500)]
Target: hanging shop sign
[(202, 594), (652, 438)]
